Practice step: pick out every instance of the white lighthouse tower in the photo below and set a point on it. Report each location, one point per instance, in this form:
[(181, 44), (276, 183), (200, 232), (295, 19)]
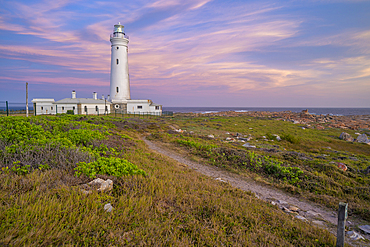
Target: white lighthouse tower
[(119, 77)]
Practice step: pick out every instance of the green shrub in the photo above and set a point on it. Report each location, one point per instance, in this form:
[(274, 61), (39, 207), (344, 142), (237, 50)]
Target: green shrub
[(70, 112), (110, 166), (290, 138)]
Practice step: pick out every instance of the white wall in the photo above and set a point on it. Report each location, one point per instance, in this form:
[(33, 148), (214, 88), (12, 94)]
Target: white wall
[(142, 107), (91, 109)]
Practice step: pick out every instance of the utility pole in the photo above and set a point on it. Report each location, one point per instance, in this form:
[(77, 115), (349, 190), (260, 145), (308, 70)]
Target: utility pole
[(26, 99)]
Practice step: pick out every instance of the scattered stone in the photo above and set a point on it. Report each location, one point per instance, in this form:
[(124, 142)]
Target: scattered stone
[(286, 210), (99, 184), (282, 202), (354, 235), (303, 128), (357, 133), (293, 208), (108, 207), (300, 217), (221, 180), (229, 139), (273, 203), (362, 139), (245, 139), (248, 145), (346, 137), (342, 166), (211, 136), (365, 228)]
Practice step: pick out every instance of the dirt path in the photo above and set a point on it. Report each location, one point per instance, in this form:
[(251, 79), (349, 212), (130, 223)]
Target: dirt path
[(311, 211)]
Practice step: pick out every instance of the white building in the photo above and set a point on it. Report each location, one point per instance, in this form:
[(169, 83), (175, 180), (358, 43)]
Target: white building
[(119, 89), (89, 106)]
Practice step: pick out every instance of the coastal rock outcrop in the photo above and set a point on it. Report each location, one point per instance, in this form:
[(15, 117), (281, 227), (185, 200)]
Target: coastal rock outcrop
[(346, 137), (362, 139)]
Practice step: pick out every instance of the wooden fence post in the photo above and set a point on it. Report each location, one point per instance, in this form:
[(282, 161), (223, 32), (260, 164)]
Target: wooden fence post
[(342, 216)]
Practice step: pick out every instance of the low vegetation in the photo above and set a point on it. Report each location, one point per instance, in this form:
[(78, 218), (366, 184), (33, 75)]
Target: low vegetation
[(304, 161), (156, 202)]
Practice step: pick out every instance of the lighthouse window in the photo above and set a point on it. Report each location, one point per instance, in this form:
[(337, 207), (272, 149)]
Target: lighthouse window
[(117, 47), (117, 89), (139, 107), (117, 61)]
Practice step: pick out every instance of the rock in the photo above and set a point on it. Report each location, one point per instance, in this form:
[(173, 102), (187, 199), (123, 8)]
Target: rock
[(108, 207), (300, 217), (221, 180), (282, 202), (362, 139), (286, 210), (346, 137), (342, 166), (273, 203), (293, 208), (354, 235), (248, 145), (211, 136), (99, 184), (365, 228), (278, 138)]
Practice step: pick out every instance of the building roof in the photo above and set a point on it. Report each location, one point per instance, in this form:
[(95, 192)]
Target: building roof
[(82, 101)]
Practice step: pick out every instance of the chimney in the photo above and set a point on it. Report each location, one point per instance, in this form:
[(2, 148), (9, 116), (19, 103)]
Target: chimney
[(95, 95), (73, 94), (102, 96), (108, 99)]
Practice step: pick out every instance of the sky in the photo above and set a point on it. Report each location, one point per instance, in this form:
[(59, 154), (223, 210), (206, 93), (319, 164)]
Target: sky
[(194, 53)]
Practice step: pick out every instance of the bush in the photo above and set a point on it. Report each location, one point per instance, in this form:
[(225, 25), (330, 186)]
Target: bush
[(110, 166), (290, 138), (70, 112)]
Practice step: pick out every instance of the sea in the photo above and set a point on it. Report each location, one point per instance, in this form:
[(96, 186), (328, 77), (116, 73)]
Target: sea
[(311, 110), (316, 111)]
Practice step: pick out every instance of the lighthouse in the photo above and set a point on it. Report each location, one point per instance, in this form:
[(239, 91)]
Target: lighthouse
[(119, 76)]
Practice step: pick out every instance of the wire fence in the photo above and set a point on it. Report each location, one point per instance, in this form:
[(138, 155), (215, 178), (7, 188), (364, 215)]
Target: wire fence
[(15, 109)]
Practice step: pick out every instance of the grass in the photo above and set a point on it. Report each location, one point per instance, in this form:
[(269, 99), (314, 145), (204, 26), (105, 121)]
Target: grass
[(170, 205), (304, 161)]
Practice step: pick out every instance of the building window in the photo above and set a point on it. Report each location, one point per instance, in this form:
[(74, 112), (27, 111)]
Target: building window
[(42, 108), (96, 108), (117, 89), (106, 108), (117, 47), (157, 107), (85, 108), (139, 107), (117, 61), (73, 108), (62, 108), (51, 108)]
